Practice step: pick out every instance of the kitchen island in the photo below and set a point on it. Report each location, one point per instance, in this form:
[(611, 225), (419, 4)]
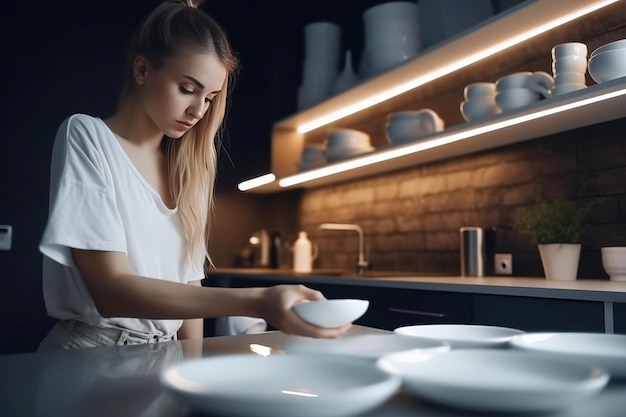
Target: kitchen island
[(404, 298), (123, 381)]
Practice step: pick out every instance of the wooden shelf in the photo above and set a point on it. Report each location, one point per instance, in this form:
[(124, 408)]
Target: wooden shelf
[(611, 107), (287, 143)]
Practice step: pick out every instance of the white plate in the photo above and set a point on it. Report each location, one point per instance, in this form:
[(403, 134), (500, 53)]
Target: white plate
[(462, 335), (492, 380), (280, 385), (370, 346), (601, 349)]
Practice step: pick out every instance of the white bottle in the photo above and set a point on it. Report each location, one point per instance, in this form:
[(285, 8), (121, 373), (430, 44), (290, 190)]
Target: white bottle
[(302, 254)]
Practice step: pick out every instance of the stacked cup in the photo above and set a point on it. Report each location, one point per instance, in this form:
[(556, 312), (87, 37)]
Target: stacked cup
[(480, 101), (391, 36), (569, 65), (322, 48)]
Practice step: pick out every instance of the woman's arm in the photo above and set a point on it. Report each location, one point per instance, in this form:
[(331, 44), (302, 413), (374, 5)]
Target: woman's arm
[(192, 328), (118, 292)]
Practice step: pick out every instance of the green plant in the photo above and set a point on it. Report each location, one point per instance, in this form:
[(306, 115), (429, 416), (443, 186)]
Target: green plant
[(552, 221)]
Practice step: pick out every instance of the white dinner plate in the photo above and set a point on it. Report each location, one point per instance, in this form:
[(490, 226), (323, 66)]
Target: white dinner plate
[(463, 335), (245, 385), (491, 380), (369, 346), (601, 349)]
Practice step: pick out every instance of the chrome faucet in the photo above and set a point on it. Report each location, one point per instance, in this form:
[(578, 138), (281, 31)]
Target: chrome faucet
[(361, 264)]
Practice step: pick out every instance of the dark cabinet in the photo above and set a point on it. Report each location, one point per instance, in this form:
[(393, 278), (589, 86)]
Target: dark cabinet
[(389, 307), (539, 314)]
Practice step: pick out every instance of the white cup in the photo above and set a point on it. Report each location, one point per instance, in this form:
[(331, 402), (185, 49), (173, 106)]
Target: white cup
[(569, 78), (559, 89), (569, 49), (570, 63), (479, 89)]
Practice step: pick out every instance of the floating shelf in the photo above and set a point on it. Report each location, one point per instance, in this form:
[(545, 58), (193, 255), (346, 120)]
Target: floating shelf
[(592, 105)]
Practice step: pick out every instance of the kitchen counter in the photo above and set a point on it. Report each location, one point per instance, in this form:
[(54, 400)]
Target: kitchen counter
[(122, 381), (580, 289)]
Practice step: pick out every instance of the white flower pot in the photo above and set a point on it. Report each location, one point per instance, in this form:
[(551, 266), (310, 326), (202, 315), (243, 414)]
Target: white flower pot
[(560, 260)]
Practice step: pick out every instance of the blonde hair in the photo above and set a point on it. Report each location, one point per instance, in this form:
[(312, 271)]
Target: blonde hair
[(170, 29)]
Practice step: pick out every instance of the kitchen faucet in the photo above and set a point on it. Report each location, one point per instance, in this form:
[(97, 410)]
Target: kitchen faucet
[(361, 264)]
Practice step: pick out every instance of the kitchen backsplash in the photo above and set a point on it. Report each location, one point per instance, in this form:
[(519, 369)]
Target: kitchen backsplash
[(411, 217)]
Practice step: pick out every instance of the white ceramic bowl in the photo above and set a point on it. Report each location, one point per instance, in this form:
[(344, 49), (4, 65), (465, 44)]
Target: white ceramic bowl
[(475, 109), (620, 44), (614, 262), (607, 66), (331, 313), (479, 89), (348, 138), (406, 126), (514, 98)]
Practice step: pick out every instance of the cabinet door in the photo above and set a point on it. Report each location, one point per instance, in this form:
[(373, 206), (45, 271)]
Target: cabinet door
[(619, 317), (539, 314), (389, 307)]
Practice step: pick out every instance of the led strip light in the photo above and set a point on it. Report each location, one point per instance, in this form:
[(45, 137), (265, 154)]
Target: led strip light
[(403, 87)]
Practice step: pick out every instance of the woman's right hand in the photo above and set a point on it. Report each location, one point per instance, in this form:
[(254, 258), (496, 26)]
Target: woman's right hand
[(276, 309)]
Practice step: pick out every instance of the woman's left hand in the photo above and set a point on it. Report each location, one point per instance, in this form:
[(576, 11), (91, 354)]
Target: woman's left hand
[(276, 309)]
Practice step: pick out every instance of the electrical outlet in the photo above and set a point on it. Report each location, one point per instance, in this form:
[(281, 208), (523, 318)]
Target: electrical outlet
[(504, 263)]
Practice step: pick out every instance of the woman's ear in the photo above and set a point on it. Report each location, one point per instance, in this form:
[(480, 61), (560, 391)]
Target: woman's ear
[(140, 70)]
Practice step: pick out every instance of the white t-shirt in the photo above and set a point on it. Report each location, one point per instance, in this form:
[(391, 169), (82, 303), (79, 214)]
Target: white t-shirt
[(99, 201)]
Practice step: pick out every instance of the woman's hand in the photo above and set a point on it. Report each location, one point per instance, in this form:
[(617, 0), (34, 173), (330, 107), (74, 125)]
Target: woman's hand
[(276, 310)]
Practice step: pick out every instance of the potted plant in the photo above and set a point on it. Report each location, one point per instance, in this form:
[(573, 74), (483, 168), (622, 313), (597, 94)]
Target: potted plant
[(556, 226)]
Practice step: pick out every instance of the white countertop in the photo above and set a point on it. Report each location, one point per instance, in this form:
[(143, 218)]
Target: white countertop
[(580, 289)]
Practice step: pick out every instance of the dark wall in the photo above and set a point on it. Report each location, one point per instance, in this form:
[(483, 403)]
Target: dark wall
[(63, 57)]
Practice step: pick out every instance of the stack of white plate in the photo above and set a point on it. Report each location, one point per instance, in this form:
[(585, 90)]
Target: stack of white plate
[(344, 143), (312, 156)]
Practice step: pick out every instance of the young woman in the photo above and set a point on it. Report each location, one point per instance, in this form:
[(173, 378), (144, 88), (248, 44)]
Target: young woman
[(130, 200)]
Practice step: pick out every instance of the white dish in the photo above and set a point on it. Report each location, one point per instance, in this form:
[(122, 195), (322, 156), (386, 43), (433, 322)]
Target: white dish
[(462, 335), (601, 349), (331, 313), (288, 385), (370, 346), (490, 380)]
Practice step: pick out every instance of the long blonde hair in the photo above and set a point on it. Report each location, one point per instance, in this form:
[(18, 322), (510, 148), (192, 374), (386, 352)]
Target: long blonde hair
[(171, 28)]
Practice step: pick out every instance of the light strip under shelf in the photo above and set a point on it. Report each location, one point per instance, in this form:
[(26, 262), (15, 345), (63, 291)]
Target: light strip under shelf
[(449, 68), (385, 155), (256, 182)]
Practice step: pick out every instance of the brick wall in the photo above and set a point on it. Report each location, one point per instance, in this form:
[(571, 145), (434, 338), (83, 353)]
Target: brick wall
[(411, 217)]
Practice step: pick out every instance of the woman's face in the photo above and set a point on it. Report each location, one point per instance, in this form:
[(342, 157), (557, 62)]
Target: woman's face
[(176, 96)]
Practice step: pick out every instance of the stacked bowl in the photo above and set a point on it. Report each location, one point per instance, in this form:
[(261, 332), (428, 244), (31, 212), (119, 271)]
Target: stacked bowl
[(608, 62), (344, 143), (312, 156)]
